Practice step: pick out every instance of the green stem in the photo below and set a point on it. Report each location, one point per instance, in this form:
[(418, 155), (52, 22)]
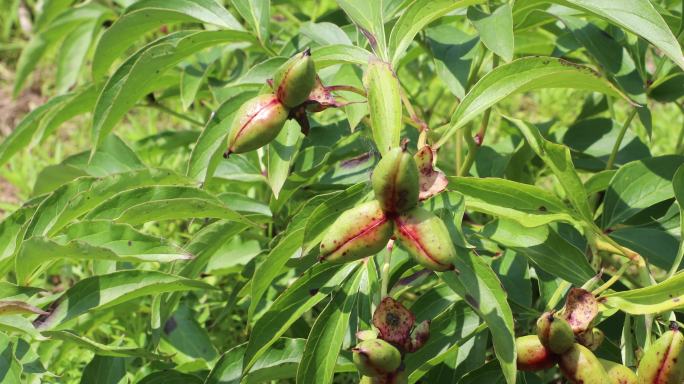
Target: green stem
[(172, 113), (613, 279), (385, 272), (618, 141), (473, 145)]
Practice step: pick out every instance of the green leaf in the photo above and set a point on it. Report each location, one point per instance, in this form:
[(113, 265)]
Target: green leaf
[(69, 337), (280, 155), (495, 29), (82, 195), (10, 368), (289, 245), (24, 131), (146, 15), (482, 290), (658, 298), (113, 157), (278, 363), (543, 246), (655, 244), (187, 336), (557, 157), (367, 15), (527, 204), (104, 370), (21, 324), (9, 291), (678, 186), (93, 240), (58, 29), (613, 58), (638, 17), (81, 102), (212, 141), (193, 77), (50, 10), (384, 103), (13, 228), (637, 186), (104, 291), (325, 33), (170, 377), (327, 334), (134, 78), (523, 75), (72, 55), (310, 289), (416, 17), (157, 203), (452, 326), (340, 54), (479, 286), (257, 14)]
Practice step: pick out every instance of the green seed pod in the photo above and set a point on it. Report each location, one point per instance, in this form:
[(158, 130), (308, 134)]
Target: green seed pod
[(555, 333), (618, 373), (426, 239), (376, 357), (663, 362), (359, 232), (532, 355), (256, 124), (295, 79), (391, 378), (580, 366), (395, 181)]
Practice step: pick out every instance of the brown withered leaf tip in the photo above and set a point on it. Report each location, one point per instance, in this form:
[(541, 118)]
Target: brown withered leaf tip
[(580, 309), (432, 181), (393, 321)]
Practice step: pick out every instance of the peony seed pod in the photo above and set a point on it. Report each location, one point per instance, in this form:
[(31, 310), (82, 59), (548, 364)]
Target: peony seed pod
[(256, 124), (419, 336), (391, 378), (618, 373), (395, 181), (663, 362), (532, 355), (426, 239), (359, 232), (376, 357), (295, 79), (555, 333), (591, 338), (579, 365)]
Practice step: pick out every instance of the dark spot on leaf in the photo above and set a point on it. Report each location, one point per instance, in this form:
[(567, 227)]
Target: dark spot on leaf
[(170, 325), (472, 301)]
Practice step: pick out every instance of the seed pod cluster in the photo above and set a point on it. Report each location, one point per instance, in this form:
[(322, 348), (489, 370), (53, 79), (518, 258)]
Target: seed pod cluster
[(362, 231), (261, 118), (567, 338), (380, 352)]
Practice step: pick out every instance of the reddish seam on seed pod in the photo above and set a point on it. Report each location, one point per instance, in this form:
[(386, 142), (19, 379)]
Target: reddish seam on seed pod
[(661, 367), (360, 234), (412, 235), (281, 88), (254, 116)]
